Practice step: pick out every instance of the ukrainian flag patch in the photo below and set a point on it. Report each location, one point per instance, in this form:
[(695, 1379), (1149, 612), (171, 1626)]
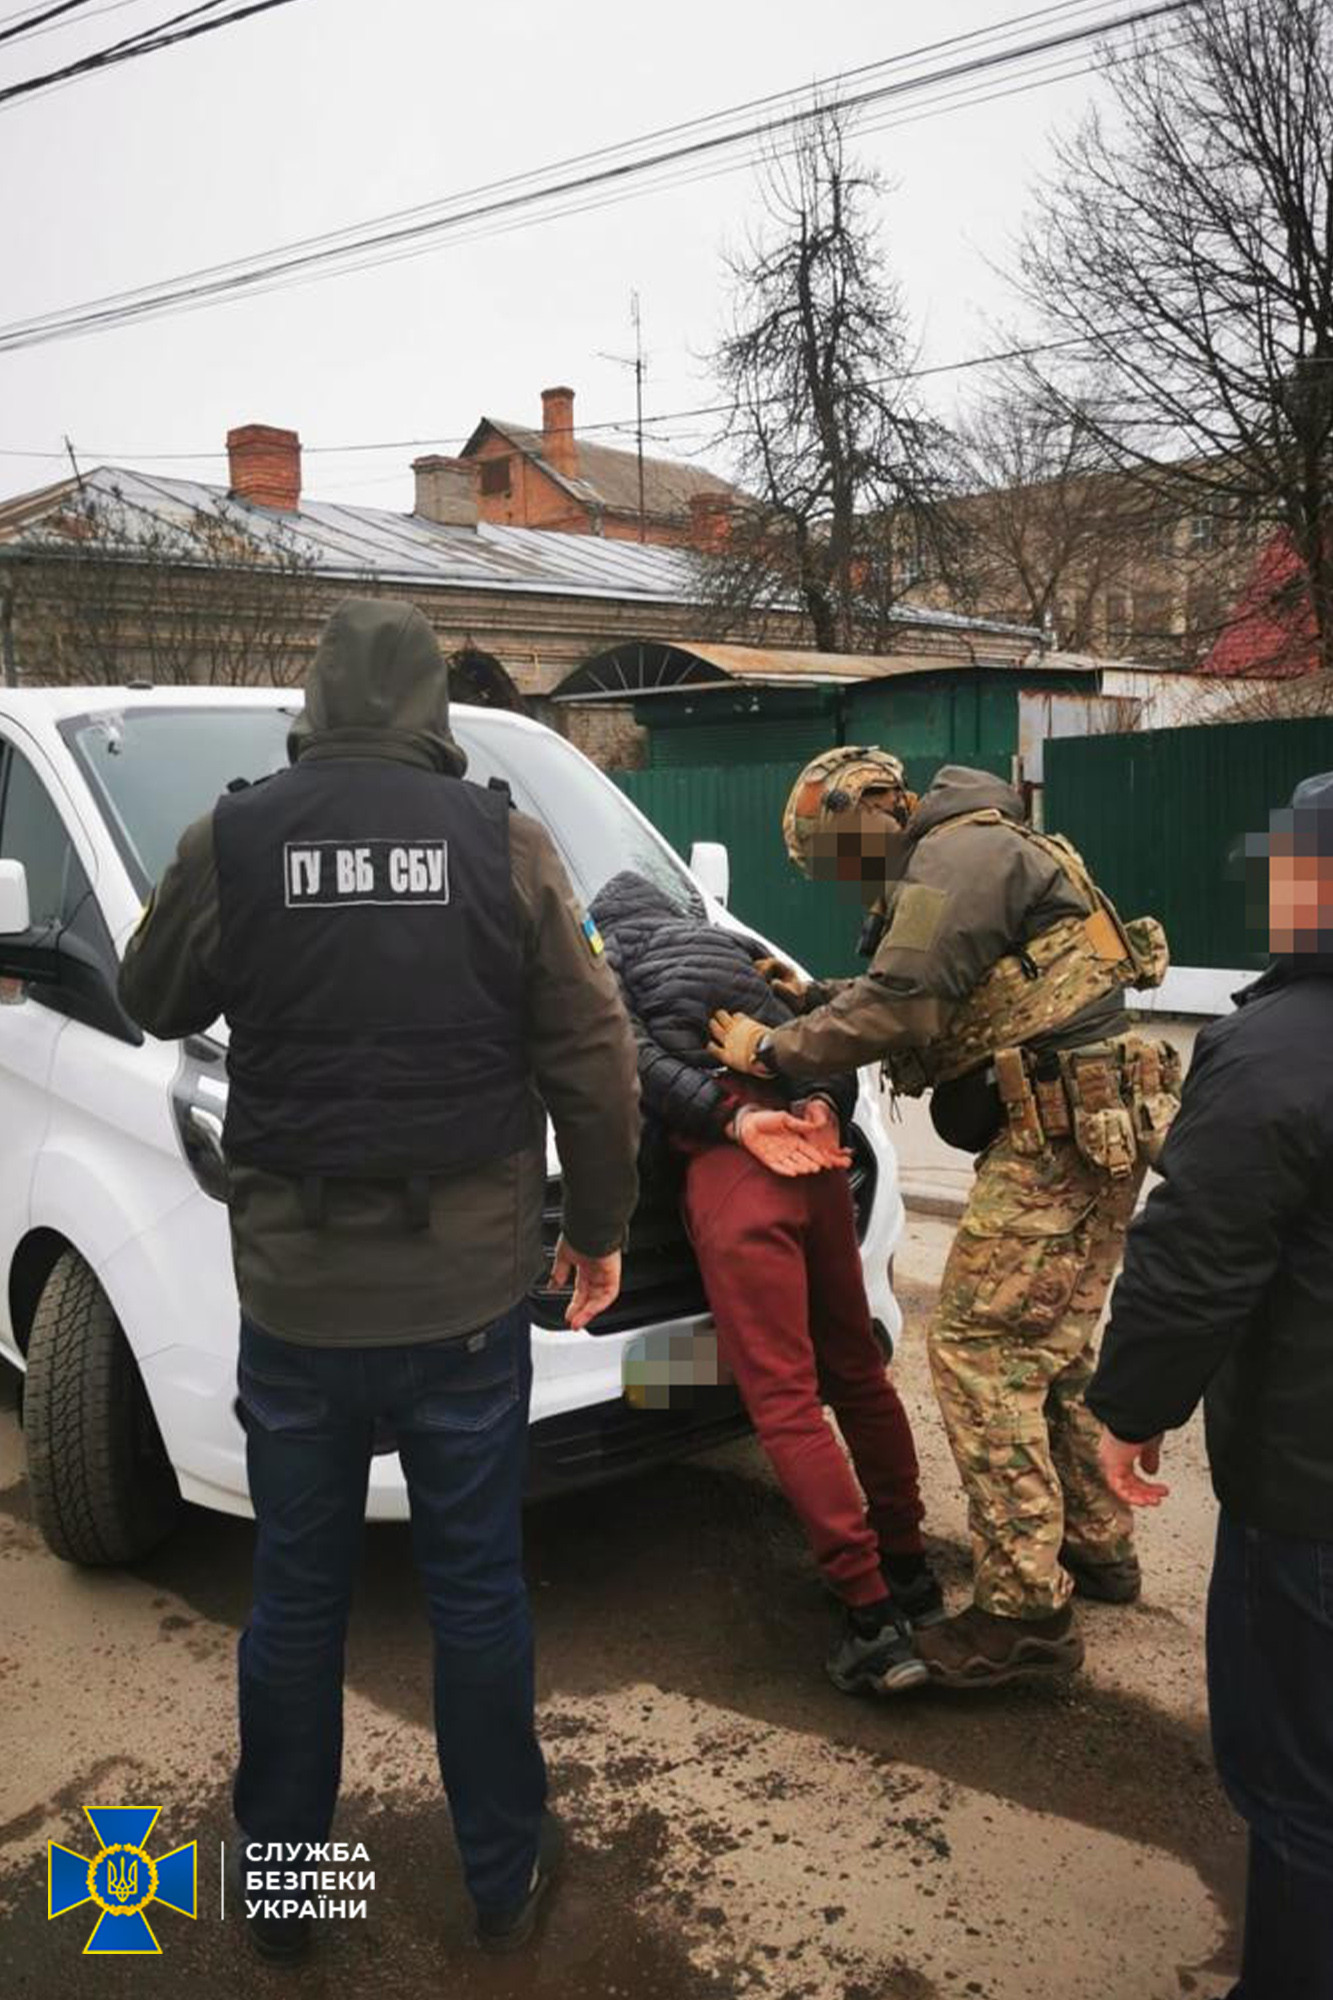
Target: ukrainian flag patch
[(593, 937)]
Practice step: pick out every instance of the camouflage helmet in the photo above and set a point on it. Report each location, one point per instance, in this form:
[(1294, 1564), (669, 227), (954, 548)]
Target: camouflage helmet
[(833, 783)]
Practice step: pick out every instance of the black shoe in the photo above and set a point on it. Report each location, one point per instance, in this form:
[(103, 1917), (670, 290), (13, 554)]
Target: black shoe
[(1108, 1582), (509, 1930), (277, 1940), (879, 1661), (915, 1590)]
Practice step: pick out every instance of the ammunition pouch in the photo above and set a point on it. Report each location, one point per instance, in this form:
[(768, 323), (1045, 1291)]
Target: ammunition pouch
[(909, 1072), (1115, 1100)]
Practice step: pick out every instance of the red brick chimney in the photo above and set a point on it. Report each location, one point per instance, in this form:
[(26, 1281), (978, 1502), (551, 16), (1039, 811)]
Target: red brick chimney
[(558, 431), (265, 466)]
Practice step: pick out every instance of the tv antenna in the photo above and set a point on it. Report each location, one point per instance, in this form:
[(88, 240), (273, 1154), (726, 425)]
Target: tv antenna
[(639, 365)]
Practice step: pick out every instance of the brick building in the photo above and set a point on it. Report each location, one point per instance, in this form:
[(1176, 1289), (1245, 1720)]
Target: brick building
[(120, 575)]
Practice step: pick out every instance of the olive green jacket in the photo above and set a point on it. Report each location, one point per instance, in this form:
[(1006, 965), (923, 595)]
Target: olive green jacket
[(966, 896), (365, 1275)]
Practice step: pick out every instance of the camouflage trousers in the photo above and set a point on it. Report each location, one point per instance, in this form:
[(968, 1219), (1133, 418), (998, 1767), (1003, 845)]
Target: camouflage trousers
[(1012, 1349)]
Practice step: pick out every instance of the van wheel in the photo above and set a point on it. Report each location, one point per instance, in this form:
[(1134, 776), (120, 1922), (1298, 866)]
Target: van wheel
[(103, 1490)]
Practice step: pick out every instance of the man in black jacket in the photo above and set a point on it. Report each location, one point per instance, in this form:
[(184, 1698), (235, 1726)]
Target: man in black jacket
[(769, 1210), (1227, 1294)]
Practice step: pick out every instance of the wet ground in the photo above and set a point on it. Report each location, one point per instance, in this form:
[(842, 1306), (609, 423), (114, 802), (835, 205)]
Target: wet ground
[(737, 1826)]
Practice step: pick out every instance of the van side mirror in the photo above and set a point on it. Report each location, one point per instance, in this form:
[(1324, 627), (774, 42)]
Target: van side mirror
[(15, 912), (710, 865)]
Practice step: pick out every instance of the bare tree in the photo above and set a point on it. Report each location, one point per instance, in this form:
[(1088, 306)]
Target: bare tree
[(826, 435), (106, 590), (1184, 248), (1046, 523)]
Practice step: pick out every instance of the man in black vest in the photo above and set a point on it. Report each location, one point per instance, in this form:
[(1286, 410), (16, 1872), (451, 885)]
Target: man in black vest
[(408, 982)]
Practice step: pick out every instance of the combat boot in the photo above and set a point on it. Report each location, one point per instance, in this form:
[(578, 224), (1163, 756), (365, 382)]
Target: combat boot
[(875, 1654), (978, 1650), (1118, 1582)]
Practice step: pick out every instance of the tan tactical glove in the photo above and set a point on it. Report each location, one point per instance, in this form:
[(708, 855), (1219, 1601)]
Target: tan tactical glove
[(734, 1040), (784, 979)]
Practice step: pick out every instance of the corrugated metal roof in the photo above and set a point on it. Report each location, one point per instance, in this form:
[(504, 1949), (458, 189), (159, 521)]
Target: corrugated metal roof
[(357, 543)]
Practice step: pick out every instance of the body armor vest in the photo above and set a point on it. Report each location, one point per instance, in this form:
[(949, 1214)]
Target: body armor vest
[(1046, 982), (373, 974)]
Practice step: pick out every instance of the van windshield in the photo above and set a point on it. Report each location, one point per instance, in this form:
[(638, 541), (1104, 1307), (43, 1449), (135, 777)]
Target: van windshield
[(154, 770)]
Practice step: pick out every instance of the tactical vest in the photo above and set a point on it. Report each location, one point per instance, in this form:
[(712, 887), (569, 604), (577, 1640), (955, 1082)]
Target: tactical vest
[(373, 974), (1049, 980)]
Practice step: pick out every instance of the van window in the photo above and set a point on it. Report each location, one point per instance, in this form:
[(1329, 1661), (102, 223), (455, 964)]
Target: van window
[(32, 831)]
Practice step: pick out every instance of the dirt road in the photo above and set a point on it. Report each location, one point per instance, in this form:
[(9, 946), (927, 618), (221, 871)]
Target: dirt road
[(739, 1828)]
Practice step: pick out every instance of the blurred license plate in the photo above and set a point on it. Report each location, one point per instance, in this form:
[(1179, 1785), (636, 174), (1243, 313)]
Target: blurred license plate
[(670, 1368)]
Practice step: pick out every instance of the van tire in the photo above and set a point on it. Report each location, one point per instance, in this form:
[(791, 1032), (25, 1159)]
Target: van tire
[(102, 1487)]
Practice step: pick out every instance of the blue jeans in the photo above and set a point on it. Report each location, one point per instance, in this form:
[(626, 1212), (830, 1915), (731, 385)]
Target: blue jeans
[(459, 1412), (1270, 1692)]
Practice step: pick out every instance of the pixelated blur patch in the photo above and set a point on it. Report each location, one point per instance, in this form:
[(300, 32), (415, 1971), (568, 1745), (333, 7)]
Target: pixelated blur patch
[(668, 1369), (917, 916), (595, 942)]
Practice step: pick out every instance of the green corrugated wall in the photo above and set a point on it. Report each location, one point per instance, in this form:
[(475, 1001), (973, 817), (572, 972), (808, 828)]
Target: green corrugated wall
[(1156, 816)]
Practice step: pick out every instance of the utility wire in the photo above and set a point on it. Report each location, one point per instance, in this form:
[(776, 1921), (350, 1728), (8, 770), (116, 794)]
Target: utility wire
[(26, 34), (389, 234), (35, 20), (970, 361), (145, 43)]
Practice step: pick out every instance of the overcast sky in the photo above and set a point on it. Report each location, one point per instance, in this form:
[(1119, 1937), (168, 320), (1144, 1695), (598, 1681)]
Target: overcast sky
[(327, 111)]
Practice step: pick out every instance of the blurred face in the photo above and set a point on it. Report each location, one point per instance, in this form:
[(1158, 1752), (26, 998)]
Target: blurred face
[(857, 849), (1300, 901)]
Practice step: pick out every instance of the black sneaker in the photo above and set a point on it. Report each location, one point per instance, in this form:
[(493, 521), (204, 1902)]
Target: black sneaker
[(277, 1940), (882, 1661), (915, 1590), (509, 1930)]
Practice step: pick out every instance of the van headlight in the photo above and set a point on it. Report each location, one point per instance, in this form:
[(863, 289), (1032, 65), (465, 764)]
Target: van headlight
[(199, 1105)]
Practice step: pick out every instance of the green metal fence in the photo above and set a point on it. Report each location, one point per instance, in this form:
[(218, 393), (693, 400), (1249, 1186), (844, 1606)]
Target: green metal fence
[(741, 805), (1156, 816)]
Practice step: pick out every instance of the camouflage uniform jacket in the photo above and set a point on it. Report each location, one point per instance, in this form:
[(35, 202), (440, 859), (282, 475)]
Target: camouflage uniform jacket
[(961, 903)]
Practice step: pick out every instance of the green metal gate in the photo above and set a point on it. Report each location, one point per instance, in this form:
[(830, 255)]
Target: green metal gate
[(1157, 815)]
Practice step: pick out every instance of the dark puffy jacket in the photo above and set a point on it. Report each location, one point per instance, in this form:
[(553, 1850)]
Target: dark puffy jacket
[(1227, 1291), (675, 970)]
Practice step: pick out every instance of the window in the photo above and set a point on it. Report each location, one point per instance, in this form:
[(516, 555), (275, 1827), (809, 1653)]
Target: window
[(32, 831), (495, 475), (1153, 617), (1118, 626), (1205, 533), (1162, 536)]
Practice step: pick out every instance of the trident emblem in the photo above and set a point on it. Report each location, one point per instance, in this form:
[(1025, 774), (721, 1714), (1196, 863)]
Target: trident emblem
[(126, 1883)]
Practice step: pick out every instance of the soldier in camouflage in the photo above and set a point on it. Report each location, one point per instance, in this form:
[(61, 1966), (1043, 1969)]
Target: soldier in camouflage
[(997, 979)]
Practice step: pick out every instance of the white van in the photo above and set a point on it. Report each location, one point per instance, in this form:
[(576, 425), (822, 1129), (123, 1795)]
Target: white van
[(116, 1289)]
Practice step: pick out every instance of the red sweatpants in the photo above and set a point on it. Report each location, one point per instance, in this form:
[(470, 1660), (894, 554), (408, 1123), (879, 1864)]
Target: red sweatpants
[(782, 1271)]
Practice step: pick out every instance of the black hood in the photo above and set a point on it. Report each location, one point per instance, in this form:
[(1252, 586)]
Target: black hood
[(378, 686), (958, 789), (629, 896)]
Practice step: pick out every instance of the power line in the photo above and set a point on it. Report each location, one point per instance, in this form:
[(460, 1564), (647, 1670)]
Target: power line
[(145, 43), (25, 34), (627, 423), (34, 20), (496, 201)]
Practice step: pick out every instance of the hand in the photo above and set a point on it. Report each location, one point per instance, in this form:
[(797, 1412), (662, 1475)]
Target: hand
[(596, 1282), (1120, 1464), (734, 1040), (785, 980), (823, 1130), (778, 1141)]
